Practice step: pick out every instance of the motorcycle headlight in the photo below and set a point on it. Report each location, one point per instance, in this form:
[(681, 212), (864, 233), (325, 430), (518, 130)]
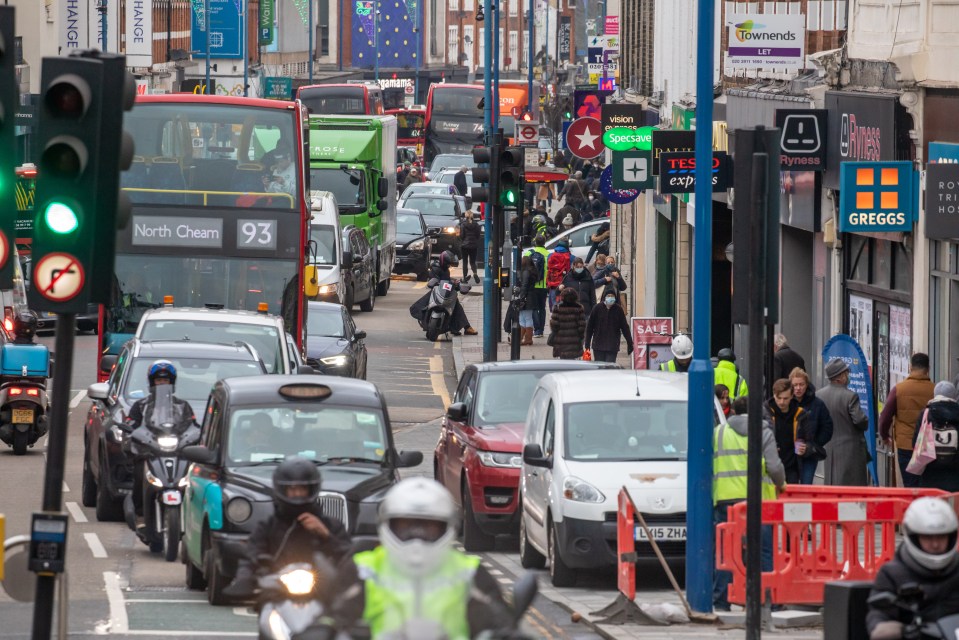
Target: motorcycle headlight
[(278, 627), (184, 481), (167, 443), (117, 433), (327, 288), (239, 510), (152, 479), (451, 230), (335, 361), (416, 245), (298, 582), (581, 491), (500, 459)]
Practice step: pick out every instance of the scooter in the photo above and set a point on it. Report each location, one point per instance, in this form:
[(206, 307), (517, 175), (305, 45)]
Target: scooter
[(910, 598), (24, 369), (155, 446), (439, 310), (291, 602)]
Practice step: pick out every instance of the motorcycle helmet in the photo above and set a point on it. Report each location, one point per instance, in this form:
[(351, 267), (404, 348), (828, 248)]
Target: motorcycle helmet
[(296, 485), (682, 347), (417, 525), (726, 354), (25, 324), (929, 517), (161, 369), (539, 220), (448, 259)]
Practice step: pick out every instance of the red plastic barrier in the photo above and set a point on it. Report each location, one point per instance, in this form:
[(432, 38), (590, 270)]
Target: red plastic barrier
[(809, 491), (625, 546)]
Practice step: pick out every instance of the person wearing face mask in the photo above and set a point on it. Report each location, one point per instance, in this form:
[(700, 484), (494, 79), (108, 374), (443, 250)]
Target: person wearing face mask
[(579, 278), (417, 574), (606, 323)]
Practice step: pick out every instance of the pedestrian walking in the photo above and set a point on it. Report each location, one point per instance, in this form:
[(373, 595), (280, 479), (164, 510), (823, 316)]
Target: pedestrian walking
[(567, 325), (784, 358), (527, 299), (557, 265), (726, 373), (459, 181), (545, 194), (789, 426), (608, 275), (411, 178), (847, 453), (564, 211), (606, 323), (731, 443), (599, 244), (904, 405), (574, 193), (818, 423), (579, 278), (470, 236), (942, 413), (540, 294)]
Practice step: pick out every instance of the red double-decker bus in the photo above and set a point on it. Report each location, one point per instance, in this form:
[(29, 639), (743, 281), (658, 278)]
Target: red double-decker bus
[(454, 120), (357, 99), (220, 210), (410, 129)]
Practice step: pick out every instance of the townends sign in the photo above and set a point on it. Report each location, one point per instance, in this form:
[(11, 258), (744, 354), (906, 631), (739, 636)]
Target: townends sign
[(766, 41)]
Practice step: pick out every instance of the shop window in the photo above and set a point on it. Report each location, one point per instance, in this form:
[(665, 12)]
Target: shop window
[(882, 264), (901, 267), (858, 255)]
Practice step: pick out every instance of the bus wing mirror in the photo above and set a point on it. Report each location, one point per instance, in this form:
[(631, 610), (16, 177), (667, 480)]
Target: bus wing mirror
[(382, 204), (311, 286), (383, 187)]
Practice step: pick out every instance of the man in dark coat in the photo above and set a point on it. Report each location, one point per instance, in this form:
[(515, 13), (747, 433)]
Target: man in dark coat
[(579, 278), (459, 181), (605, 324), (847, 456), (818, 423), (785, 359), (470, 236)]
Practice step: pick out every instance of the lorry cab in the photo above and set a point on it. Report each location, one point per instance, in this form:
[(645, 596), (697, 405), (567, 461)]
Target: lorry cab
[(326, 247)]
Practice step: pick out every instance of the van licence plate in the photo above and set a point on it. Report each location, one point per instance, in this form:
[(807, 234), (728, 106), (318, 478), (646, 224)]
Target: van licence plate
[(661, 533), (22, 416)]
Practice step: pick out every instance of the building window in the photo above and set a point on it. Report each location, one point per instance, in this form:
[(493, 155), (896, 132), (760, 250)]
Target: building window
[(434, 45), (468, 44), (481, 57), (454, 5), (512, 6), (513, 49), (468, 5), (454, 44)]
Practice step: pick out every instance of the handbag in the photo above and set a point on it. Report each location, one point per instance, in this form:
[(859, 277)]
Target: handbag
[(925, 450)]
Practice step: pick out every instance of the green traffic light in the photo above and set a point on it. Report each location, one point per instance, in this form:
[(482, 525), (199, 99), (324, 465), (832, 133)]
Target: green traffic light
[(509, 197), (60, 218)]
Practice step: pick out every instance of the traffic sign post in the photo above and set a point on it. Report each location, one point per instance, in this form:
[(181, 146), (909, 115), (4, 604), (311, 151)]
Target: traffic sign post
[(527, 133)]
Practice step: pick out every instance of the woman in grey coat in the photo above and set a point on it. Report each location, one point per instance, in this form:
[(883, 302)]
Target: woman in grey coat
[(847, 452)]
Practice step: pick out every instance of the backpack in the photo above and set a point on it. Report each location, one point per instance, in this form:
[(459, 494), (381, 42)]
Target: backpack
[(539, 264), (556, 268)]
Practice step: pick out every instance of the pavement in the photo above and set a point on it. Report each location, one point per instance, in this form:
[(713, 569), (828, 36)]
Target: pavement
[(594, 592)]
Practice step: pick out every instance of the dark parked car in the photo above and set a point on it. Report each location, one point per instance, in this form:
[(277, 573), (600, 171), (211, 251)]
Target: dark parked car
[(358, 271), (250, 425), (107, 472), (442, 214), (333, 344), (479, 453), (414, 248)]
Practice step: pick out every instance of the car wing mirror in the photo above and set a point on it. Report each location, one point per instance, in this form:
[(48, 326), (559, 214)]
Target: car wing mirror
[(305, 369), (98, 391), (107, 363), (533, 456), (406, 459), (382, 204), (311, 286), (359, 335), (199, 454), (456, 412), (347, 258), (382, 187)]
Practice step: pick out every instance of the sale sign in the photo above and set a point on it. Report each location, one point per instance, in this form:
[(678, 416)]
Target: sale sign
[(651, 340)]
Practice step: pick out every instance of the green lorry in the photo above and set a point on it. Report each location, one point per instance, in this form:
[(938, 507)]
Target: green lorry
[(355, 158)]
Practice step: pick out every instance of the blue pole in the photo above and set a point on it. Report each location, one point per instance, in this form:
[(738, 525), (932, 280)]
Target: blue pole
[(206, 29), (489, 326), (417, 29), (246, 48), (699, 490), (104, 22), (496, 46), (531, 42), (309, 29)]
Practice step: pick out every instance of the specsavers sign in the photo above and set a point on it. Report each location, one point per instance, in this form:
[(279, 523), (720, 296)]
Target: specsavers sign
[(766, 41)]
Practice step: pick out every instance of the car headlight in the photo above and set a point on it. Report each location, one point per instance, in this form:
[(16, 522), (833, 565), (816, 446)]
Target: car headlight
[(167, 443), (416, 245), (239, 510), (335, 361), (500, 459), (298, 582), (278, 627), (451, 230), (152, 479), (581, 491), (117, 433)]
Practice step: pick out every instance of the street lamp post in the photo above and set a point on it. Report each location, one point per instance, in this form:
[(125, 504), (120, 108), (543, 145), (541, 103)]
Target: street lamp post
[(376, 40), (206, 29), (246, 48), (309, 29)]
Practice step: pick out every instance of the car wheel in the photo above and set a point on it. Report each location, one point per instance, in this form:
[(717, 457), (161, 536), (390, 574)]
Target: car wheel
[(109, 509), (88, 486), (529, 557), (171, 534), (367, 305), (561, 575), (194, 577), (383, 287), (474, 538), (215, 581), (349, 299)]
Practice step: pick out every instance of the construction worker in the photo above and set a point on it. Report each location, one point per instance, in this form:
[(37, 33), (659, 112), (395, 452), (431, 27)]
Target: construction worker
[(682, 348), (730, 443), (727, 374)]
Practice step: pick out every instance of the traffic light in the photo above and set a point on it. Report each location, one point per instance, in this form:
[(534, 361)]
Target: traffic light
[(82, 149), (511, 175), (9, 101), (484, 174)]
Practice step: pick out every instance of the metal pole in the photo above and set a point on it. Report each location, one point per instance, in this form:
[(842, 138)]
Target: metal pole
[(496, 58), (206, 28), (546, 44), (63, 607), (489, 322), (757, 295), (309, 29), (416, 66), (104, 22), (246, 48), (532, 51), (699, 490), (56, 460), (376, 40)]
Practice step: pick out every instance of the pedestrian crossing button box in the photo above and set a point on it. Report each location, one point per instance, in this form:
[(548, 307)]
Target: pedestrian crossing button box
[(48, 543)]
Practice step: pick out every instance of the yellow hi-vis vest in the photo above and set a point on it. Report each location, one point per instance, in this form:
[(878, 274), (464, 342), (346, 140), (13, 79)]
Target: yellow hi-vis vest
[(729, 467)]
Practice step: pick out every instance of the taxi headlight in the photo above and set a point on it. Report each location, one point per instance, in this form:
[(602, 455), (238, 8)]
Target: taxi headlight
[(239, 510)]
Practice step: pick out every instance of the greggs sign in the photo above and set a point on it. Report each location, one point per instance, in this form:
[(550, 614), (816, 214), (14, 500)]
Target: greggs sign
[(878, 196)]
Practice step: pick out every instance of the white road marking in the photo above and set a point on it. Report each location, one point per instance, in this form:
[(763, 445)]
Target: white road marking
[(437, 345), (77, 399), (96, 547), (189, 634), (438, 381), (246, 612), (76, 512), (66, 489), (118, 611)]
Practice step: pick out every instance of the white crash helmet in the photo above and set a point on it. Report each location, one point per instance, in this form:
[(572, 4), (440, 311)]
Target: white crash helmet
[(929, 516), (417, 548), (682, 347)]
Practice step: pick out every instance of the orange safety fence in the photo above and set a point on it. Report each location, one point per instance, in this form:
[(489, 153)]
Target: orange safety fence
[(806, 491), (625, 546)]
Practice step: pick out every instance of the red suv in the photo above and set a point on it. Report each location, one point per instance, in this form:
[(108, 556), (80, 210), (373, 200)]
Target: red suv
[(479, 453)]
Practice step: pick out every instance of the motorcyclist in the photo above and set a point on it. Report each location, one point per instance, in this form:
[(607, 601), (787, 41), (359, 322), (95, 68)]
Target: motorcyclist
[(24, 327), (927, 557), (682, 348), (416, 574), (296, 531), (440, 270)]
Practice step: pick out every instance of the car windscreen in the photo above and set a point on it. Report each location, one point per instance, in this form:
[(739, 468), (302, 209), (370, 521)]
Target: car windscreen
[(264, 338), (409, 224), (505, 396), (195, 377), (324, 235), (432, 206), (316, 431), (621, 430), (325, 322), (450, 161)]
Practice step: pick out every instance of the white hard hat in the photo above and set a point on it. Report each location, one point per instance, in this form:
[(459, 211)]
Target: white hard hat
[(933, 517), (417, 499), (682, 347)]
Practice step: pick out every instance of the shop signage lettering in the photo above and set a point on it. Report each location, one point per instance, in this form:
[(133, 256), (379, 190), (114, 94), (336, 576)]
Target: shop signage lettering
[(802, 143), (942, 201), (677, 172), (671, 141), (174, 231), (766, 41), (623, 139), (861, 127), (877, 196)]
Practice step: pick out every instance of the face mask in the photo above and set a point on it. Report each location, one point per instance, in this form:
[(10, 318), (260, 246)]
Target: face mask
[(578, 269), (610, 301)]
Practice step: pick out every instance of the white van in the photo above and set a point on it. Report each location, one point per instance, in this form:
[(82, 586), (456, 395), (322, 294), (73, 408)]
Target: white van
[(326, 248), (587, 435)]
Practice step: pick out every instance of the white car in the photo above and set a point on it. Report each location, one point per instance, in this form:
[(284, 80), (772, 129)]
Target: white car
[(429, 188), (578, 238), (587, 435), (447, 176)]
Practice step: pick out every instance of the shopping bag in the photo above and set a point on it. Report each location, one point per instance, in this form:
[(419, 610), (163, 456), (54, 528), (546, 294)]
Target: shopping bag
[(587, 355), (925, 450)]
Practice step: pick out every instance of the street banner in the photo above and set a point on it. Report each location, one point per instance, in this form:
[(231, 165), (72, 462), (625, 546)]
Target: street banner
[(848, 350), (226, 27), (651, 340), (74, 29), (139, 33), (565, 37), (942, 201), (267, 16)]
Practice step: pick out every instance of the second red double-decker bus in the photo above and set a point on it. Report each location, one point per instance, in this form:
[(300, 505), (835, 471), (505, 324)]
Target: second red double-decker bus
[(355, 99), (454, 120), (410, 129)]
